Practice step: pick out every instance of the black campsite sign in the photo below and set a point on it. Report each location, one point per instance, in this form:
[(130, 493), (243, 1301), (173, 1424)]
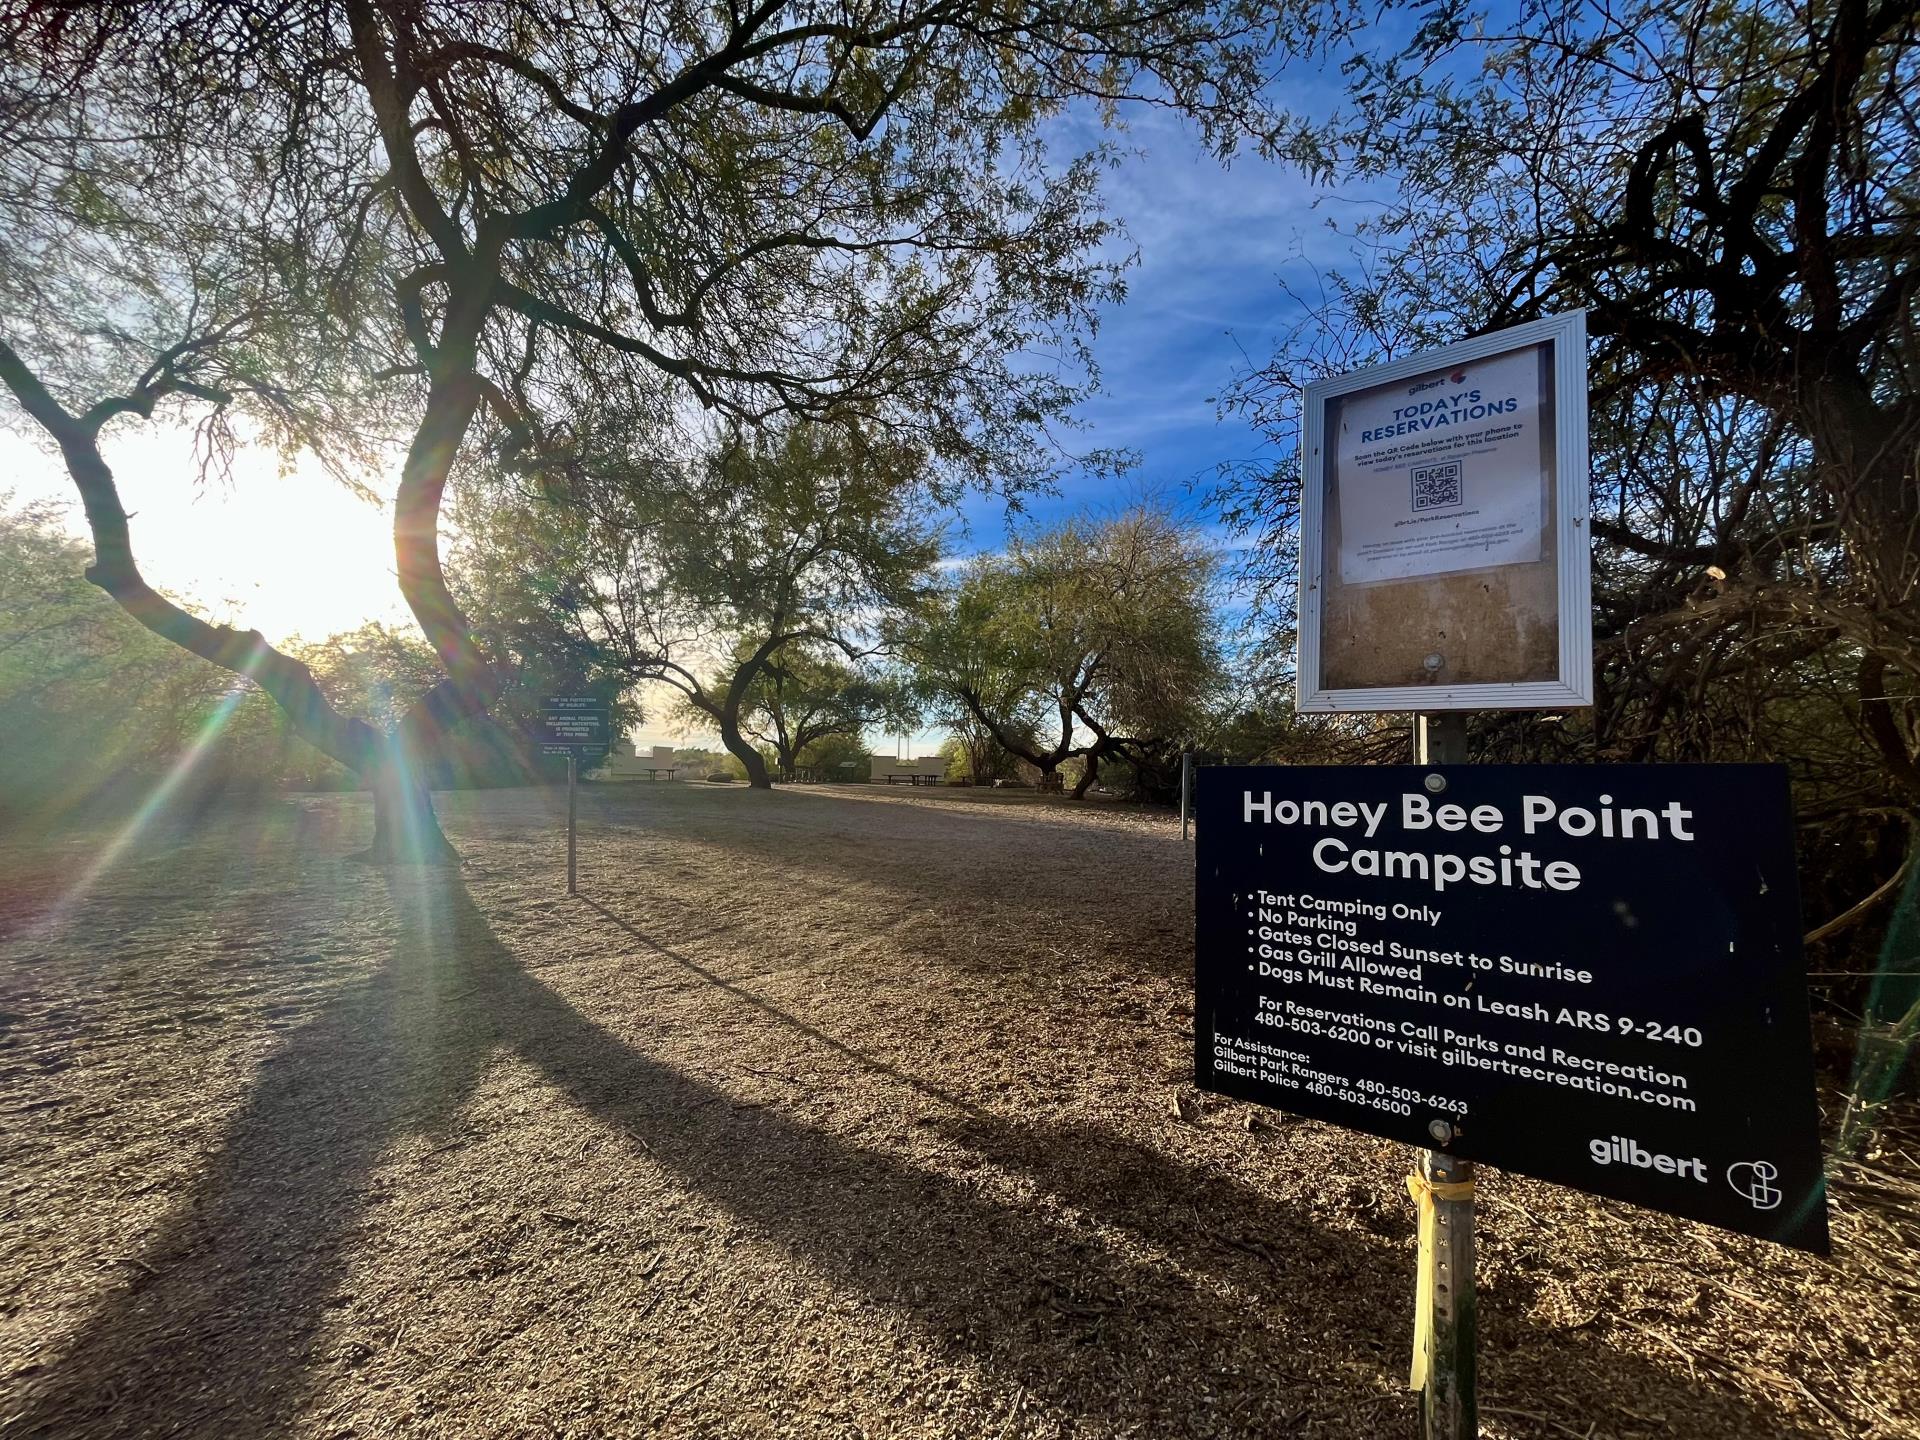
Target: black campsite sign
[(1588, 974)]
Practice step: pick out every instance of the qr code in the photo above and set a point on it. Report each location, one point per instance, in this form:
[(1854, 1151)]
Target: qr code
[(1435, 487)]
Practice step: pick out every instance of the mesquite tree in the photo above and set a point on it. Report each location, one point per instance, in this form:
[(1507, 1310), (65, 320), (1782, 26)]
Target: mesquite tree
[(481, 224), (694, 574), (804, 694), (1095, 639)]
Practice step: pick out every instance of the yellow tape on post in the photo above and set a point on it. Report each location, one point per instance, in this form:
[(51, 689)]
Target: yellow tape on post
[(1424, 1193)]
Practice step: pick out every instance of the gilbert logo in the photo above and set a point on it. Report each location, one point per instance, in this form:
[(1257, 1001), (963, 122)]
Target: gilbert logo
[(1618, 1150), (1753, 1181)]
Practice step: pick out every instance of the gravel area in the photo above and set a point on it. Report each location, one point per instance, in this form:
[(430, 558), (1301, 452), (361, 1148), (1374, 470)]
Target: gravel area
[(836, 1113)]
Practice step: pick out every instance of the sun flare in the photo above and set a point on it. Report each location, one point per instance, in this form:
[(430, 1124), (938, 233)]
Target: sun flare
[(286, 554)]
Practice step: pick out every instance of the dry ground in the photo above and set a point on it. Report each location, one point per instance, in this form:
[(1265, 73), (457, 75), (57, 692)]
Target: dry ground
[(817, 1114)]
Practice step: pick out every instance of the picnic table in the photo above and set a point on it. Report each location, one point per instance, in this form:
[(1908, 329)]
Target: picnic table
[(922, 778), (654, 772)]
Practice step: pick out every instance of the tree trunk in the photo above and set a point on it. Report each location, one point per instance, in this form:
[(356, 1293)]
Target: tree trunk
[(743, 751), (979, 763), (1046, 762), (1088, 774), (405, 829), (1883, 726)]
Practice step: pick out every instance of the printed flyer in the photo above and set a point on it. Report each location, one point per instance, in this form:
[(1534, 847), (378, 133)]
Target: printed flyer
[(1442, 472)]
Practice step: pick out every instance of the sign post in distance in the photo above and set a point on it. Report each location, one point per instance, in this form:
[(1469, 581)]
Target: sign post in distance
[(579, 727)]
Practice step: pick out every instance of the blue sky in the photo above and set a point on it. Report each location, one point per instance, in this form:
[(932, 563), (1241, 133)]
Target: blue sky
[(1203, 299)]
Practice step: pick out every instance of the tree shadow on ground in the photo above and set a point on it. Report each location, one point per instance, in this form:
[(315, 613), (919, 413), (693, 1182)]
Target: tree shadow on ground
[(1151, 1320), (1234, 1238)]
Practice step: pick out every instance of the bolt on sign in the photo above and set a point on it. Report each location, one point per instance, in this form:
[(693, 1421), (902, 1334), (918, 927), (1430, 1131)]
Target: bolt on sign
[(1587, 974), (576, 725), (1444, 550)]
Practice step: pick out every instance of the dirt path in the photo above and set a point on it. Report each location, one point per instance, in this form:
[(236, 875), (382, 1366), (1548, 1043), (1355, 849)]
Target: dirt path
[(818, 1114)]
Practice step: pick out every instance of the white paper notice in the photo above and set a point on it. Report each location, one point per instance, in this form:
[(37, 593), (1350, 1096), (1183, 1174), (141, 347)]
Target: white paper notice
[(1441, 472)]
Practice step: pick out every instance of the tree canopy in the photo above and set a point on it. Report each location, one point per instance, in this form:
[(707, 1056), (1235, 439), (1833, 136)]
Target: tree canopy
[(694, 573), (803, 695), (492, 226), (1090, 640)]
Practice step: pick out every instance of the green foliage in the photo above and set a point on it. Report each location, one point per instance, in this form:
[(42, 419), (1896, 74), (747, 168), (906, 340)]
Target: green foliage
[(1092, 639), (973, 757), (89, 700), (98, 710), (800, 695), (376, 672), (806, 208), (839, 759), (793, 541)]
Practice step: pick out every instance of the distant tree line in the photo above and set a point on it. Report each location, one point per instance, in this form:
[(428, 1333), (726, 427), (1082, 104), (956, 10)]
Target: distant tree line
[(791, 627), (98, 711)]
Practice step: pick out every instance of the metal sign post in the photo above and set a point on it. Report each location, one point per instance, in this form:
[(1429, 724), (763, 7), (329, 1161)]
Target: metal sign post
[(1445, 1323), (1445, 1304), (579, 727)]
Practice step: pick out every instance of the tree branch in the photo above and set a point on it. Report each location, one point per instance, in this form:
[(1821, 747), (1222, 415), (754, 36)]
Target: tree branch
[(353, 743)]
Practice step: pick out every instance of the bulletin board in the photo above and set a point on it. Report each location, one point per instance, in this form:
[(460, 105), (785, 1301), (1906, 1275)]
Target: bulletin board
[(1444, 561)]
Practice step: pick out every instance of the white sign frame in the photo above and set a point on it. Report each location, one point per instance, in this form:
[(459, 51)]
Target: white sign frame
[(1573, 561)]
